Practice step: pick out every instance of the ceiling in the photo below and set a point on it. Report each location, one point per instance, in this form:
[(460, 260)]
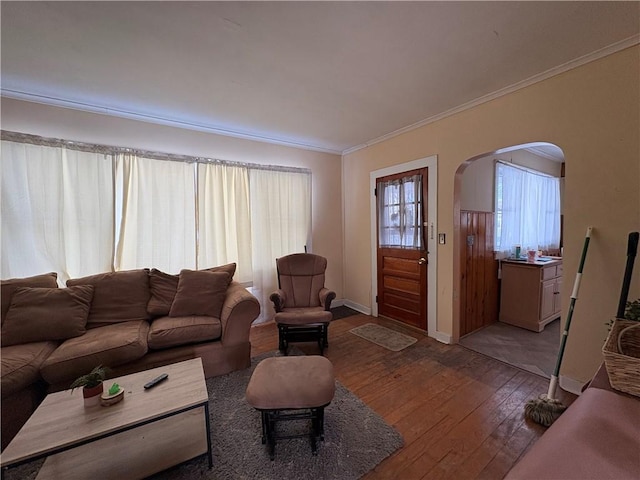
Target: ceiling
[(329, 76)]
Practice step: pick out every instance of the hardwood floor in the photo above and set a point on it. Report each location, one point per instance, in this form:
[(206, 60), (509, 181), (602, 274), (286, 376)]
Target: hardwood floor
[(460, 412)]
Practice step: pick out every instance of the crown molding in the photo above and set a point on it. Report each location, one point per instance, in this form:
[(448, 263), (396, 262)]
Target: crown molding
[(552, 72), (86, 107), (114, 112)]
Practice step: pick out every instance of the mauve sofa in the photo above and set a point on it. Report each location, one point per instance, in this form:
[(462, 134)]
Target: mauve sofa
[(128, 321), (597, 438)]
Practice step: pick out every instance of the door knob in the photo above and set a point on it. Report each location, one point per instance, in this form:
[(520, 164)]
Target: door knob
[(422, 261)]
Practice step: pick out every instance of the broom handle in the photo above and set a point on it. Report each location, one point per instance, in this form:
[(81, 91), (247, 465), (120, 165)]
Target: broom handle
[(632, 249), (553, 384)]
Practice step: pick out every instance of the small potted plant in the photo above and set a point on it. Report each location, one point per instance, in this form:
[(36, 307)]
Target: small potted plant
[(92, 385)]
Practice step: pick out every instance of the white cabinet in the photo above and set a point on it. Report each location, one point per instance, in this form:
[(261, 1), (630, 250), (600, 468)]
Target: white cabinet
[(530, 293)]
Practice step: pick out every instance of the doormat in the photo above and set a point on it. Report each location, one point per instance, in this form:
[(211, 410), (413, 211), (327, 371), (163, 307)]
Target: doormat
[(383, 336)]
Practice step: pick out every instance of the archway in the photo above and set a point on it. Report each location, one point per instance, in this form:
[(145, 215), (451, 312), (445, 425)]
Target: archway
[(476, 267)]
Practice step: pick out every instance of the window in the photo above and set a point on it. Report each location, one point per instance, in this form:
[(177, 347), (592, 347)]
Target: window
[(400, 212), (82, 209), (527, 209)]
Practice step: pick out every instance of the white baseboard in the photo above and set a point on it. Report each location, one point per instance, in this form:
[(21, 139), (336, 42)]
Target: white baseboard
[(357, 307), (337, 303), (441, 337), (571, 385)]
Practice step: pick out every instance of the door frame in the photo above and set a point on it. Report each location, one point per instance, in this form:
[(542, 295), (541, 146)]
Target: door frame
[(431, 163)]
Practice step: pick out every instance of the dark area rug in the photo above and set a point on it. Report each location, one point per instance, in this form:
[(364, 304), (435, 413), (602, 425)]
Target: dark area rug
[(356, 440)]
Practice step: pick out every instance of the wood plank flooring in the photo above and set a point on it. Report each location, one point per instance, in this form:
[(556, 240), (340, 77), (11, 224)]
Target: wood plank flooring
[(460, 412)]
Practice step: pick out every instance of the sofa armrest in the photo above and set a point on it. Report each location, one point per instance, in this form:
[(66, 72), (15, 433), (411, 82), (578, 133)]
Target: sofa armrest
[(278, 298), (239, 310), (326, 297)]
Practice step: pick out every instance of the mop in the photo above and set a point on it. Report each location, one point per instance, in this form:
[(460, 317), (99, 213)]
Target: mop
[(546, 408)]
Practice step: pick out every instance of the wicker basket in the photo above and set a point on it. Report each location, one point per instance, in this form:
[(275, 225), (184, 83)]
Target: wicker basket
[(622, 356)]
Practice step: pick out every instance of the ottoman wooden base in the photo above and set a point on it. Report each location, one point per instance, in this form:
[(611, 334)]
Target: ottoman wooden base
[(291, 388), (271, 417)]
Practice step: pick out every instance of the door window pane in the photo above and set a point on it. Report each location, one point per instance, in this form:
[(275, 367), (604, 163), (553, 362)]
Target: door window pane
[(400, 212)]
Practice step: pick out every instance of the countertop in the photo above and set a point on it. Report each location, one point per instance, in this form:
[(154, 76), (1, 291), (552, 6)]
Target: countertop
[(543, 262)]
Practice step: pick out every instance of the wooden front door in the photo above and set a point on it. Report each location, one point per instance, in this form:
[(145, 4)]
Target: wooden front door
[(402, 252)]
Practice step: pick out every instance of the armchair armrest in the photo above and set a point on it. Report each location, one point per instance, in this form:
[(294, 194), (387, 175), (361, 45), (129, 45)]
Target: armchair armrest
[(278, 298), (326, 297), (239, 310)]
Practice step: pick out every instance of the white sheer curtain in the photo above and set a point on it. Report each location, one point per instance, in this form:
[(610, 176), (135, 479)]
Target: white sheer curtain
[(80, 213), (527, 210), (224, 223), (157, 214), (399, 212), (280, 225), (57, 211)]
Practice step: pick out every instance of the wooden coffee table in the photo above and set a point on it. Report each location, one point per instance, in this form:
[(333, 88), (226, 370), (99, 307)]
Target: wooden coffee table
[(147, 432)]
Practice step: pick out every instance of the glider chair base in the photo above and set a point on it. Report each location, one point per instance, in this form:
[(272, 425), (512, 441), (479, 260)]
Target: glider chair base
[(302, 333)]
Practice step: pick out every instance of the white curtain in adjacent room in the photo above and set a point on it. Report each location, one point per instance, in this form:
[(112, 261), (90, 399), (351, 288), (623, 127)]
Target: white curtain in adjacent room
[(224, 223), (155, 214), (280, 225), (527, 210), (57, 211)]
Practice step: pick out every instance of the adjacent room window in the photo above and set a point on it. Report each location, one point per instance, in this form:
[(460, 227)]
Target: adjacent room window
[(400, 212), (527, 209)]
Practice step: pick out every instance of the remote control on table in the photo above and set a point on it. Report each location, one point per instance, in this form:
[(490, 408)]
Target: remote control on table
[(156, 381)]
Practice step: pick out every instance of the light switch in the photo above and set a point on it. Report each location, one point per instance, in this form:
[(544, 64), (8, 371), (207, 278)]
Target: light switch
[(441, 238)]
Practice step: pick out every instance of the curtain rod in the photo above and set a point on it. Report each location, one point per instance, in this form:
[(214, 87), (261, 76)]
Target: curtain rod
[(520, 167), (110, 150)]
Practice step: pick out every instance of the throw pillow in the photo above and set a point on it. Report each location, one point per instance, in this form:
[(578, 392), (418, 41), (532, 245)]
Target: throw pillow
[(164, 286), (9, 286), (200, 293), (40, 314)]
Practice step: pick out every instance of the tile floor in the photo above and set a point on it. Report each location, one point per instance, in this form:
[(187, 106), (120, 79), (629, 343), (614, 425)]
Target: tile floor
[(531, 351)]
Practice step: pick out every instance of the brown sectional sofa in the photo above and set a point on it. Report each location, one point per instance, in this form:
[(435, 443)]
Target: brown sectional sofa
[(129, 321), (597, 437)]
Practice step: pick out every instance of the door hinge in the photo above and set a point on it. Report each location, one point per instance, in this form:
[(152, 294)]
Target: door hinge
[(376, 298), (375, 192)]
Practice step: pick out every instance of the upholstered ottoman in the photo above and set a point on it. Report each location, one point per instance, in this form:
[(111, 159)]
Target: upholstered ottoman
[(291, 388)]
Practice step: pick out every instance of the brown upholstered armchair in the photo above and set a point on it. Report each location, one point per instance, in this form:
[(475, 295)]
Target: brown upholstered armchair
[(302, 302)]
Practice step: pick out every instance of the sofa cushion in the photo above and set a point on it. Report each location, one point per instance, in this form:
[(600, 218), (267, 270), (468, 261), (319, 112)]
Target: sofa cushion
[(20, 365), (110, 346), (117, 296), (7, 287), (200, 293), (168, 332), (41, 314), (164, 286)]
